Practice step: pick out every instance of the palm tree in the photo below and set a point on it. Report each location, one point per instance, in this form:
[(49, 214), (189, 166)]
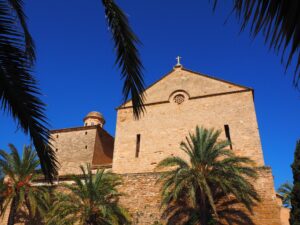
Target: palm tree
[(19, 92), (91, 200), (285, 190), (204, 188), (278, 21), (18, 194)]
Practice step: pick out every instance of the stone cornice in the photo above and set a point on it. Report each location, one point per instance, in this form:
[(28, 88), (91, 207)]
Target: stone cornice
[(74, 129)]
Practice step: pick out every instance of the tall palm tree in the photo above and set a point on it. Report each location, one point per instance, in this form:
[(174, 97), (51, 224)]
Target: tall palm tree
[(19, 92), (278, 21), (204, 188), (18, 194), (90, 200), (285, 190)]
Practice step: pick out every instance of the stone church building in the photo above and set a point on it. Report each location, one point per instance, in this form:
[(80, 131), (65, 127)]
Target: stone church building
[(175, 104)]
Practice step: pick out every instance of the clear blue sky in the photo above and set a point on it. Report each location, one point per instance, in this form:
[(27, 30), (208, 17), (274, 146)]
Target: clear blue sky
[(76, 72)]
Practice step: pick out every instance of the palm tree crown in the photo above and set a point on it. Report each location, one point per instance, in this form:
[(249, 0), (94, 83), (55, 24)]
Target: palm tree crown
[(285, 190), (17, 189), (212, 178), (91, 200)]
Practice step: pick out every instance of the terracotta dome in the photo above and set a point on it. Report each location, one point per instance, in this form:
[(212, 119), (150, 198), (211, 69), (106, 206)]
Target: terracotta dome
[(94, 114), (94, 118)]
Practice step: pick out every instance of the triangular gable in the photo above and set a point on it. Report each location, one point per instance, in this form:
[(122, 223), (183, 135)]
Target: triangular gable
[(193, 83)]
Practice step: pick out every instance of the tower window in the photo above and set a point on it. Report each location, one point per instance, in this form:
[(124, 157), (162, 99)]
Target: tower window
[(56, 150), (86, 147), (57, 136), (227, 133), (138, 142), (86, 133)]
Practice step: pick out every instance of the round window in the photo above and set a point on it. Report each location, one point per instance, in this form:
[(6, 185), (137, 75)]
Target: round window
[(179, 98)]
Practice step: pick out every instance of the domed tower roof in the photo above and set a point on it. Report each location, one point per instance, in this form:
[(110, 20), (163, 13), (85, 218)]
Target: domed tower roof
[(94, 118), (94, 114)]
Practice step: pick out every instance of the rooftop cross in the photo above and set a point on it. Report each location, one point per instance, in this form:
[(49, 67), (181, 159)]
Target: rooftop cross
[(178, 61)]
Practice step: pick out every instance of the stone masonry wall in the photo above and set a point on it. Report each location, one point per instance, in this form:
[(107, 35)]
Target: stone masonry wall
[(166, 125), (142, 198), (104, 146), (74, 148)]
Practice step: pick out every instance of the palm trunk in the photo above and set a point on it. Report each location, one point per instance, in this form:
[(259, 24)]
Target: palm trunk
[(204, 216), (203, 209), (13, 211)]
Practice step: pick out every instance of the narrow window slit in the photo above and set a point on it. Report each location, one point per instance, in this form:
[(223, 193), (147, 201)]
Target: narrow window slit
[(227, 133), (138, 141)]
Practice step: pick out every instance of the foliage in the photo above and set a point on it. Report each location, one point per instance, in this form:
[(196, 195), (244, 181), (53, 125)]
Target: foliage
[(157, 223), (285, 190), (295, 197), (278, 21), (127, 55), (91, 200), (204, 188), (19, 93), (18, 194)]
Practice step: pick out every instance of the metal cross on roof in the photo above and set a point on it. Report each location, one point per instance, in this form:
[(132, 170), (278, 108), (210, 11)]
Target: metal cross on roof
[(178, 61)]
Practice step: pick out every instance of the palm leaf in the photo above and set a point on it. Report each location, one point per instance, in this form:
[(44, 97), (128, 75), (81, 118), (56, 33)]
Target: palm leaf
[(278, 21), (127, 55), (17, 6), (96, 197), (19, 94), (190, 191), (285, 190), (18, 193)]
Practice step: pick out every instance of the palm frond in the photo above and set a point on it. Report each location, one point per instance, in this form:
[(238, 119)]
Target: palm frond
[(212, 170), (96, 196), (172, 161), (17, 6), (18, 192), (128, 58), (19, 94), (278, 21), (285, 190)]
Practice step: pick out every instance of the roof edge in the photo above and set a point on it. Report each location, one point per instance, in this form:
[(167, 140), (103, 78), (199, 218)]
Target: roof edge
[(217, 79), (63, 130), (155, 82), (191, 71)]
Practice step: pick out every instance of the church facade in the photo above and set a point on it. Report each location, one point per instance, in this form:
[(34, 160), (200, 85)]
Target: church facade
[(175, 105)]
